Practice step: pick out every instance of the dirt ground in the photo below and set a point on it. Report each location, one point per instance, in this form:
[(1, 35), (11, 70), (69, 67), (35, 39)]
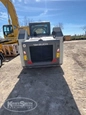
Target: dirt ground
[(57, 90)]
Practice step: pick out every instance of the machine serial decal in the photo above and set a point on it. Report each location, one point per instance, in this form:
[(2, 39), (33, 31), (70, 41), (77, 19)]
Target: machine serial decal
[(40, 44)]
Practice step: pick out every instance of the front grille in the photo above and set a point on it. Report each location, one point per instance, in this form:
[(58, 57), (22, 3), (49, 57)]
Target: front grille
[(41, 53)]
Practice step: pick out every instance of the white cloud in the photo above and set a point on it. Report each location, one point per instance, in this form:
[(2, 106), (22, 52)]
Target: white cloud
[(54, 0), (20, 0), (50, 15), (38, 0), (25, 1), (33, 9), (18, 7), (37, 17), (44, 13), (3, 15), (13, 1)]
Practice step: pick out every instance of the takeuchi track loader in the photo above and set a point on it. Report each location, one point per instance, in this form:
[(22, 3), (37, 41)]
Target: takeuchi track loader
[(41, 48)]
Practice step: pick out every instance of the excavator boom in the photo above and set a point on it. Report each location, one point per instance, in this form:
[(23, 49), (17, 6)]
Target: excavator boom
[(11, 10)]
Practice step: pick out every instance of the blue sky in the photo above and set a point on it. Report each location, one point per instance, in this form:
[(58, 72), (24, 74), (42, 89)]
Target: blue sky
[(71, 13)]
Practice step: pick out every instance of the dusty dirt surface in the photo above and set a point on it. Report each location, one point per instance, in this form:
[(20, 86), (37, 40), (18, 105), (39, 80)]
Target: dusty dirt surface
[(57, 90)]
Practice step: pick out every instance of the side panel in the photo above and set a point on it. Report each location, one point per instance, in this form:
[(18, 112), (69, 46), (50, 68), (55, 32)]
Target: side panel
[(21, 53), (61, 50)]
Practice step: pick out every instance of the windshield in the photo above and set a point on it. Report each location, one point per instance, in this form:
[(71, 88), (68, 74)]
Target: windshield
[(7, 29), (40, 29)]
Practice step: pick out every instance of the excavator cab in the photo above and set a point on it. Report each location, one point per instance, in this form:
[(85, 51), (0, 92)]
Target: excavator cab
[(7, 29)]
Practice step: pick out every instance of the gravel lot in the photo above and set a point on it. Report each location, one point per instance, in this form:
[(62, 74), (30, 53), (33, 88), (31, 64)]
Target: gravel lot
[(57, 90)]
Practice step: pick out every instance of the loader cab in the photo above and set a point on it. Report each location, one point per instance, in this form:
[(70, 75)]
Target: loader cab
[(39, 29), (7, 29)]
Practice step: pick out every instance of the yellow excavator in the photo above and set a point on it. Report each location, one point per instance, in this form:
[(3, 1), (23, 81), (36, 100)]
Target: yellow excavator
[(9, 46), (10, 31)]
